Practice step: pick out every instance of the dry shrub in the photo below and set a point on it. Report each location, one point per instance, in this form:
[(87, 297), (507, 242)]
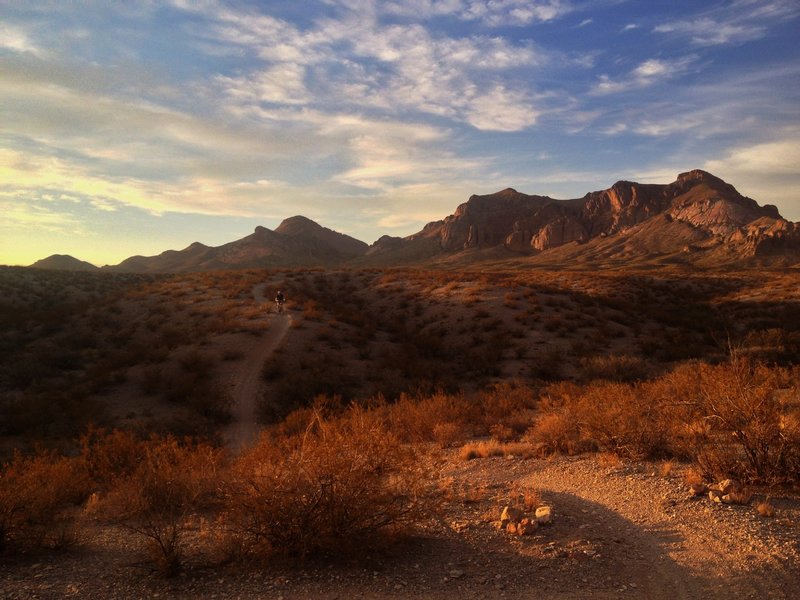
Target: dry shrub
[(765, 509), (622, 419), (38, 495), (340, 483), (108, 456), (156, 501), (507, 404), (555, 432), (501, 432), (753, 426), (448, 434), (613, 367), (414, 418), (482, 449), (609, 460)]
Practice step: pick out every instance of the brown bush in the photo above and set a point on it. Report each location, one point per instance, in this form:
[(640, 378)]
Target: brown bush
[(613, 367), (157, 499), (622, 419), (556, 432), (753, 422), (37, 497), (338, 484)]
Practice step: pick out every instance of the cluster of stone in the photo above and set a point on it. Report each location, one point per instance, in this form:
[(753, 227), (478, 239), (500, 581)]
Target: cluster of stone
[(516, 522), (727, 491)]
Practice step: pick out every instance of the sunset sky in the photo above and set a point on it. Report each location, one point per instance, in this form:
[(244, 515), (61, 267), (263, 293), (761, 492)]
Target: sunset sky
[(136, 127)]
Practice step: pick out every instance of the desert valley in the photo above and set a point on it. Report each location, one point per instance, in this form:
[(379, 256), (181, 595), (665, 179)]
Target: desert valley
[(587, 398)]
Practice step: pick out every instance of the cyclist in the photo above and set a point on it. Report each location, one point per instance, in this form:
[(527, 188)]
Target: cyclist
[(279, 300)]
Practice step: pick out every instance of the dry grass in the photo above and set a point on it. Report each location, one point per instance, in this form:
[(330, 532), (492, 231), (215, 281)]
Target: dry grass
[(766, 509)]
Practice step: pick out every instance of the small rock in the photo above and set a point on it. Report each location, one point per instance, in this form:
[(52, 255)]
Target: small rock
[(543, 515), (456, 574), (715, 495), (729, 486), (511, 514), (699, 489)]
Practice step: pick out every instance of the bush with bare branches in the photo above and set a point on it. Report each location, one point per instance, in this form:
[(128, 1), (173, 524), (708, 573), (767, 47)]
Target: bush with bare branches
[(342, 481)]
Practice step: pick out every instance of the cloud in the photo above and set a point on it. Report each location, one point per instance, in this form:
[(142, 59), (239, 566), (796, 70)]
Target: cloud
[(647, 73), (399, 69), (493, 13), (735, 23), (766, 171), (16, 39)]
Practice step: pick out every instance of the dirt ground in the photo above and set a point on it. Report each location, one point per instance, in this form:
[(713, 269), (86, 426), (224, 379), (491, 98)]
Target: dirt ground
[(620, 531), (627, 531)]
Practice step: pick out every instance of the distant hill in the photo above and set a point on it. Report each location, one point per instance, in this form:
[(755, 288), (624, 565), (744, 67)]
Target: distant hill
[(297, 241), (63, 262), (698, 220)]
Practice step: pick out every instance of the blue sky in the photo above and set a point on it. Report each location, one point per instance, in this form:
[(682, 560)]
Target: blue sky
[(136, 127)]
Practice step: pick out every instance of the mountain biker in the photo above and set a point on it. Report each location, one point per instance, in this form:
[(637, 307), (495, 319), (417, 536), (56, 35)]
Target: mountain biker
[(279, 300)]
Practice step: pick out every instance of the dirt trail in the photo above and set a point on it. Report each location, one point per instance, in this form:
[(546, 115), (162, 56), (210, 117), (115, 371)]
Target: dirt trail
[(243, 429)]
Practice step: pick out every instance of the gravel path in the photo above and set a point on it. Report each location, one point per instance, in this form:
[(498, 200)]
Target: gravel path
[(243, 429)]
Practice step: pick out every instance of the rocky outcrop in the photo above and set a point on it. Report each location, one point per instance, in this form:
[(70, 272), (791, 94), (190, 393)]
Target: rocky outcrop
[(695, 213)]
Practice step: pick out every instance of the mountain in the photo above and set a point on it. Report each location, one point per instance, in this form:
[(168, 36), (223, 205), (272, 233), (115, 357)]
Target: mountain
[(697, 219), (63, 262), (297, 241)]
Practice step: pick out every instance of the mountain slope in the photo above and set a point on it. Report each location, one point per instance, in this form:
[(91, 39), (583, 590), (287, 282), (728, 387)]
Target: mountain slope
[(697, 219), (63, 262), (297, 241)]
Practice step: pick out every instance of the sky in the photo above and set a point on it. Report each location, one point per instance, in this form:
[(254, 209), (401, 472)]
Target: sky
[(130, 128)]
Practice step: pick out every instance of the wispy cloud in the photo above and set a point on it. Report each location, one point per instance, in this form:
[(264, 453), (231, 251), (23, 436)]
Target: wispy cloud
[(17, 39), (394, 68), (494, 13), (735, 23), (647, 73)]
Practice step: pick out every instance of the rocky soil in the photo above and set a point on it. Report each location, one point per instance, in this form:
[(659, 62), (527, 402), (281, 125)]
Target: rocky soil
[(625, 531)]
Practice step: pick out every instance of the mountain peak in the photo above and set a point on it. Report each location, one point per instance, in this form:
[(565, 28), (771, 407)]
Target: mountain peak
[(297, 225), (63, 262)]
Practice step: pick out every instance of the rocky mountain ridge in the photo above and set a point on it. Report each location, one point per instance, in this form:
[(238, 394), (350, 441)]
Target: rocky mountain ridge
[(698, 219)]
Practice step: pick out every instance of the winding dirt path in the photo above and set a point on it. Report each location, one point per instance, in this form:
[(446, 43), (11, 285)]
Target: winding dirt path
[(243, 429)]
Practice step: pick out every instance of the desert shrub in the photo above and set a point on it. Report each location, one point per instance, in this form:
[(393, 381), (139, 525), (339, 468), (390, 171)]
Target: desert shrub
[(108, 456), (38, 495), (613, 367), (509, 405), (157, 499), (414, 418), (556, 432), (447, 433), (752, 419), (622, 419), (339, 483)]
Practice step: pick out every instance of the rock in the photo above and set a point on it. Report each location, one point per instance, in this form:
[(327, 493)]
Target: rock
[(526, 527), (715, 496), (543, 515), (699, 489), (511, 515), (511, 528), (456, 574), (729, 486)]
